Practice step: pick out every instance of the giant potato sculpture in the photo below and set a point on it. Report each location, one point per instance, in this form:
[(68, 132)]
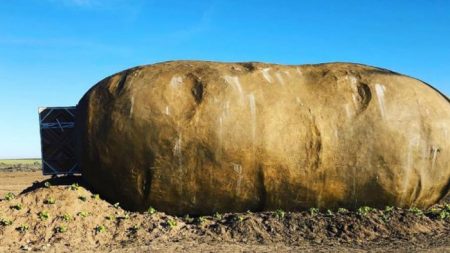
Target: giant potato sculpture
[(204, 137)]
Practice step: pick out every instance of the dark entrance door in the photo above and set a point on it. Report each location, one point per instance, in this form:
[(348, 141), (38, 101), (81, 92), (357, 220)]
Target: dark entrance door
[(57, 125)]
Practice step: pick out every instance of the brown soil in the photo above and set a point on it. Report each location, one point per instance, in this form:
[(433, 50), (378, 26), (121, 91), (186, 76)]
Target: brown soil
[(108, 228), (18, 181)]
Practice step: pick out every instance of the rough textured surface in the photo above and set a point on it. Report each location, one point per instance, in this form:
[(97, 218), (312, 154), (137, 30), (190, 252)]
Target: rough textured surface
[(200, 137)]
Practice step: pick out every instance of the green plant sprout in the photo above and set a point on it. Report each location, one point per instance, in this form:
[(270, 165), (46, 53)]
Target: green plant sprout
[(60, 229), (279, 214), (5, 222), (416, 211), (313, 211), (364, 210), (50, 201), (188, 219), (389, 209), (238, 218), (74, 187), (171, 223), (444, 214), (217, 216), (201, 219), (43, 215), (99, 229), (66, 217), (16, 207), (23, 228), (83, 214), (9, 196)]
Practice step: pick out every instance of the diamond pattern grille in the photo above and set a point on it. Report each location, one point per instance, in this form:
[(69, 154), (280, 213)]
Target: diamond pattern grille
[(57, 140)]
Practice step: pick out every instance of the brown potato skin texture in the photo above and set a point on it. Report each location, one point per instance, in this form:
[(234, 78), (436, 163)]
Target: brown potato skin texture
[(189, 137)]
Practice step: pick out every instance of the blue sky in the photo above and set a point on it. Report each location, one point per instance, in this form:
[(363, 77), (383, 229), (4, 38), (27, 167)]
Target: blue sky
[(52, 51)]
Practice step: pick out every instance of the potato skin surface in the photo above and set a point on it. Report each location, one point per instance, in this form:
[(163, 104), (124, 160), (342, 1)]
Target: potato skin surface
[(190, 137)]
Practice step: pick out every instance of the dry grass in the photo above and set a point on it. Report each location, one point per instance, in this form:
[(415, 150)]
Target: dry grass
[(20, 161)]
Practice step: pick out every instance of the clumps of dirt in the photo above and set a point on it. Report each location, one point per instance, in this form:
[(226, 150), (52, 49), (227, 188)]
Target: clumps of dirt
[(69, 216)]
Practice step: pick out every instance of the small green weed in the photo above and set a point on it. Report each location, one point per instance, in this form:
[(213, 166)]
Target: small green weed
[(66, 217), (342, 210), (43, 215), (151, 210), (95, 196), (364, 210), (74, 187), (386, 216), (217, 216), (188, 219), (50, 201), (23, 228), (201, 220), (433, 211), (60, 229), (238, 218), (444, 214), (313, 211), (83, 214), (171, 223), (279, 214), (99, 229), (5, 222), (9, 196), (416, 211), (16, 207)]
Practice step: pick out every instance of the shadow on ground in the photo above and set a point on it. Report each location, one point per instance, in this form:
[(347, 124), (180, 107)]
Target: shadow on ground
[(59, 181)]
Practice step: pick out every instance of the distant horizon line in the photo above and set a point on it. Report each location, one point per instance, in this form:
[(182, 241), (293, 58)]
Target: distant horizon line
[(33, 158)]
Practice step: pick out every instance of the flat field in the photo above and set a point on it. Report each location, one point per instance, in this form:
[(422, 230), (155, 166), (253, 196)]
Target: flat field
[(20, 165), (20, 161)]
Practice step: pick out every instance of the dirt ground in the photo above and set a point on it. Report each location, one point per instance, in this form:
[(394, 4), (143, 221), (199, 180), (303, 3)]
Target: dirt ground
[(16, 182), (60, 215)]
